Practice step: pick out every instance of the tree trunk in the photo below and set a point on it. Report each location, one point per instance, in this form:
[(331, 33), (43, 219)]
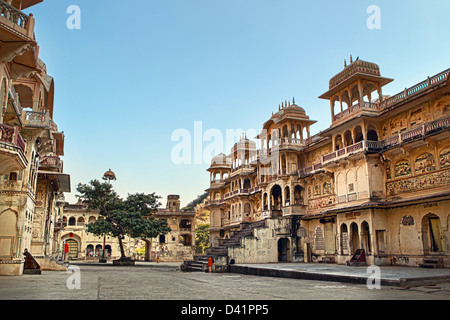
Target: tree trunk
[(122, 252)]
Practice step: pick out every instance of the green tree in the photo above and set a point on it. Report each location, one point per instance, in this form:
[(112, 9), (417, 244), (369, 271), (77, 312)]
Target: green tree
[(132, 217), (202, 238)]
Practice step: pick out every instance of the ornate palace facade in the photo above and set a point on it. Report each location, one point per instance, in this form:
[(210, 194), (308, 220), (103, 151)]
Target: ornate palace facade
[(32, 181), (377, 179)]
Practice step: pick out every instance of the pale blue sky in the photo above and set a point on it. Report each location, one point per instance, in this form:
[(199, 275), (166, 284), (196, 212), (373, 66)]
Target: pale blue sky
[(138, 70)]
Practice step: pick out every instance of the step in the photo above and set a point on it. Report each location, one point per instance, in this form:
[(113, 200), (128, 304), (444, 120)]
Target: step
[(428, 265), (432, 262)]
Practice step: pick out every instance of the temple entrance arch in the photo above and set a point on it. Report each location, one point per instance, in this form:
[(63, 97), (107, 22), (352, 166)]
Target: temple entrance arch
[(73, 249)]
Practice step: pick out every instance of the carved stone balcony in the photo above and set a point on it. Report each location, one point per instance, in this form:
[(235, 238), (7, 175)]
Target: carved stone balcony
[(244, 169), (355, 148), (51, 162), (12, 150), (16, 21), (38, 120)]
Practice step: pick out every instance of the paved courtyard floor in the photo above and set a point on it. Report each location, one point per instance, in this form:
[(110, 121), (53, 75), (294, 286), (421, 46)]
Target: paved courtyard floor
[(164, 281)]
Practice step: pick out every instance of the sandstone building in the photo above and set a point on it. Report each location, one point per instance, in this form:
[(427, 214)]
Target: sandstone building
[(32, 181), (377, 179), (177, 245)]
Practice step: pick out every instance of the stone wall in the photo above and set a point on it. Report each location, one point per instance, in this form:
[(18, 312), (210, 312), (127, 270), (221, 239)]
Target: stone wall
[(263, 247)]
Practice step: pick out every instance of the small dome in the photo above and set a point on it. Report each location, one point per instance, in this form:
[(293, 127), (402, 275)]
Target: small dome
[(357, 66), (296, 108), (219, 159), (109, 175)]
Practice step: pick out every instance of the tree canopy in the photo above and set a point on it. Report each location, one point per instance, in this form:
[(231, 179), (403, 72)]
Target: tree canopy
[(132, 217)]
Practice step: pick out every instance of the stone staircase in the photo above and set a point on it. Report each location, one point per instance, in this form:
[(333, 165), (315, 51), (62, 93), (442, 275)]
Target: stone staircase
[(200, 262), (432, 262)]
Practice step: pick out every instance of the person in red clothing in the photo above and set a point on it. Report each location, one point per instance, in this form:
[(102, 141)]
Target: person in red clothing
[(66, 251), (210, 263)]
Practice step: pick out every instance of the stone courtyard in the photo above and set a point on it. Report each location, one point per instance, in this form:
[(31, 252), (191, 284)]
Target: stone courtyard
[(164, 281)]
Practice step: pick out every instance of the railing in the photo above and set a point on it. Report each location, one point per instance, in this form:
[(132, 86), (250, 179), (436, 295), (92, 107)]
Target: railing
[(366, 106), (12, 14), (242, 166), (366, 145), (37, 119), (244, 192), (285, 142), (11, 135), (51, 161), (214, 202), (254, 190), (344, 152), (437, 79), (217, 183), (436, 125), (310, 170)]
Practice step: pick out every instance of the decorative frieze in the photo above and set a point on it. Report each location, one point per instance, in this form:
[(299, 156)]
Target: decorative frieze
[(422, 182)]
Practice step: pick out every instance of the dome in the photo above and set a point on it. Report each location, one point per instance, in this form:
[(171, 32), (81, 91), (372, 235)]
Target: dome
[(358, 66), (219, 159), (109, 175), (288, 109)]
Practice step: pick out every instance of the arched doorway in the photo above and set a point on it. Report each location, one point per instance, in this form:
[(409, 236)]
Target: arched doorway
[(247, 184), (344, 239), (73, 249), (90, 251), (283, 250), (354, 237), (247, 212), (358, 134), (432, 234), (372, 133), (108, 251), (287, 196), (185, 240), (98, 250), (298, 196), (185, 225), (148, 250), (8, 223), (276, 194), (265, 203), (366, 236)]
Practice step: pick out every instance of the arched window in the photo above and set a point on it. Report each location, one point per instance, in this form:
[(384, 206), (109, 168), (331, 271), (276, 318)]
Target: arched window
[(358, 134), (348, 140), (287, 196), (372, 133), (185, 225), (80, 221), (338, 142)]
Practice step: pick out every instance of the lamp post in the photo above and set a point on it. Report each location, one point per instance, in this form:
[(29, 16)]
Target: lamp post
[(108, 176)]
